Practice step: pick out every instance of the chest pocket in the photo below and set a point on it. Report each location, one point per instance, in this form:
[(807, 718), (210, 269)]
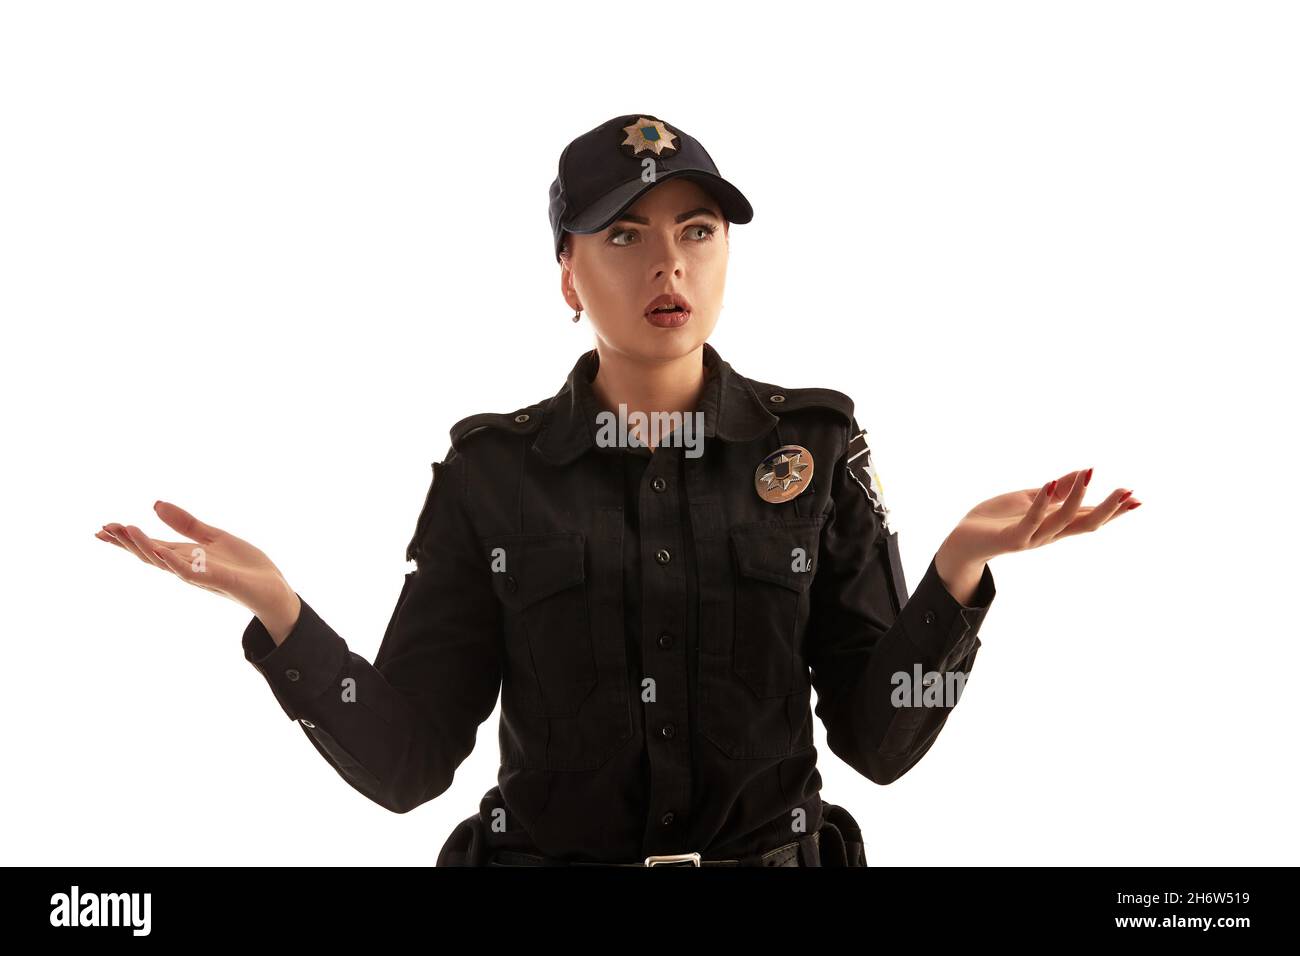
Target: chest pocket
[(775, 564), (540, 579)]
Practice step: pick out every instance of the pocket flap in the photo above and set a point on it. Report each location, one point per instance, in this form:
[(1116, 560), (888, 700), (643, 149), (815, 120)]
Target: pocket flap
[(783, 553), (535, 565)]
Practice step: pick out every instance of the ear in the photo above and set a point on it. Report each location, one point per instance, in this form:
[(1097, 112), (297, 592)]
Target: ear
[(566, 282)]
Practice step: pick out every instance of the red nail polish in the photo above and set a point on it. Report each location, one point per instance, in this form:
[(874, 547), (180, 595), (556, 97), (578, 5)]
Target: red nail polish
[(1087, 478), (1133, 504), (1124, 496), (1051, 488)]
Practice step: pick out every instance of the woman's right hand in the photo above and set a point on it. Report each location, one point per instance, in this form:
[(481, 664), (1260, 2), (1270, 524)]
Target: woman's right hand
[(214, 560)]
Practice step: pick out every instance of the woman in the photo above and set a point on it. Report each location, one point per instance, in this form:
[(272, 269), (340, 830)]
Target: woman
[(654, 567)]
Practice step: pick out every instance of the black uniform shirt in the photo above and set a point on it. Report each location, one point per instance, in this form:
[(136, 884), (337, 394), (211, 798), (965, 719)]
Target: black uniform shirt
[(653, 624)]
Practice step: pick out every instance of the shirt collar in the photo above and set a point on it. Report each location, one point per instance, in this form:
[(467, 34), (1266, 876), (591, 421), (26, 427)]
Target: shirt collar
[(731, 409)]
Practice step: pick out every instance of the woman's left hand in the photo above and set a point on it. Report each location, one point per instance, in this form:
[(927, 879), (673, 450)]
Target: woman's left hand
[(1020, 520)]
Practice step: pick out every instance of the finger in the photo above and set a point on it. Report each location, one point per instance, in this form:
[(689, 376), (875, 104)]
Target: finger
[(103, 535), (118, 532), (185, 550), (176, 563), (146, 546), (1125, 508), (1037, 509), (1060, 489), (1063, 515), (160, 553), (1090, 519), (181, 520), (1065, 484)]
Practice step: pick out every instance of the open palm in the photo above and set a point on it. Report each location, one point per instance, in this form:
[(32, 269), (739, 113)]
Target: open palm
[(1019, 520), (214, 560)]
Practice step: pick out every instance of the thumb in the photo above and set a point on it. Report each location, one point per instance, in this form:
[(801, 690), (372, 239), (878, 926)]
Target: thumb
[(184, 522)]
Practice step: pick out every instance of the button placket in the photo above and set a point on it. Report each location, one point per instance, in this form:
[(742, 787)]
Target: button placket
[(663, 609)]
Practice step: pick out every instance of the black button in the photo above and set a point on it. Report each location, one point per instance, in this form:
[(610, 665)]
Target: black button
[(669, 731), (511, 584), (665, 640), (292, 674), (663, 556), (928, 617), (668, 818), (658, 484)]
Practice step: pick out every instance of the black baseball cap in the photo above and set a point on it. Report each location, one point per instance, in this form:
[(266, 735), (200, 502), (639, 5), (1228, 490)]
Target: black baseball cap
[(601, 173)]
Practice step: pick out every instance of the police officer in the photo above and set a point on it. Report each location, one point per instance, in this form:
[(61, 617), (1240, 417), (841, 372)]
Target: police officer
[(654, 567)]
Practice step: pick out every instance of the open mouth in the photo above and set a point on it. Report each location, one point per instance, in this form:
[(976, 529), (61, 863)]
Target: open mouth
[(668, 310)]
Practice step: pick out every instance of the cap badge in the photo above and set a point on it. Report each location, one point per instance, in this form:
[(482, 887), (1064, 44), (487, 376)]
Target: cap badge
[(648, 134), (784, 474)]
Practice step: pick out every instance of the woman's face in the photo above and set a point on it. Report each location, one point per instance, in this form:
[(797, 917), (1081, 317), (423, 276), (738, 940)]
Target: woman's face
[(673, 240)]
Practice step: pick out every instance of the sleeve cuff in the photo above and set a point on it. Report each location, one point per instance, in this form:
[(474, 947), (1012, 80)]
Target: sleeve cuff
[(936, 623), (306, 663)]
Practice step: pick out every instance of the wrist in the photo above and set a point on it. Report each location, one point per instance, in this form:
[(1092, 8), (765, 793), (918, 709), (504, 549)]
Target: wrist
[(960, 572), (281, 616)]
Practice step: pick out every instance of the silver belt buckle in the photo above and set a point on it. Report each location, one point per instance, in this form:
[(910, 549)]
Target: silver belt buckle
[(692, 859)]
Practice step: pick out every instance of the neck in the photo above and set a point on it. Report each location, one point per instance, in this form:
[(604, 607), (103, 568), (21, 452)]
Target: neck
[(668, 385)]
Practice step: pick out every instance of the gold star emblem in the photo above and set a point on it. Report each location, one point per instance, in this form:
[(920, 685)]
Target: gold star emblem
[(783, 474), (649, 135)]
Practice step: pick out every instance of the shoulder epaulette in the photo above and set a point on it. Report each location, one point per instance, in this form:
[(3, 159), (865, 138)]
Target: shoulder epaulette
[(783, 400), (519, 422)]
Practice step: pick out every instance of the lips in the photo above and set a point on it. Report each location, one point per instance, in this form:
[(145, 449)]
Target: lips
[(668, 304)]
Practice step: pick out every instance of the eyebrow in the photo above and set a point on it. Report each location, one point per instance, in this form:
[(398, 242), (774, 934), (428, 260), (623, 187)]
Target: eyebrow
[(680, 217)]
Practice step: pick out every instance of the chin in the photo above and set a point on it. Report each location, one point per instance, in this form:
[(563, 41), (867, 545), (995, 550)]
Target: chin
[(639, 340), (669, 343)]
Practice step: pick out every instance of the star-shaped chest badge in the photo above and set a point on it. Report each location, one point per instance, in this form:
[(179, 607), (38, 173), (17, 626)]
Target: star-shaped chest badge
[(784, 474)]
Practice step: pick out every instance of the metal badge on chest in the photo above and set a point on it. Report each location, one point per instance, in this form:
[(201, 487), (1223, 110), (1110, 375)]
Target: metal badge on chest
[(784, 474)]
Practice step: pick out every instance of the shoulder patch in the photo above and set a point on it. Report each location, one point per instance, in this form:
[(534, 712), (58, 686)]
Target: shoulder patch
[(863, 470), (780, 400), (519, 422)]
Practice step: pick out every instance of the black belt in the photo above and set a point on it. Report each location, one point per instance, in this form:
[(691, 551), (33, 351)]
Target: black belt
[(785, 855)]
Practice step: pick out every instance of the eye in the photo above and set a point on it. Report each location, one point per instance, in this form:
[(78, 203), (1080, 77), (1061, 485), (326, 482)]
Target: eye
[(617, 234), (709, 230)]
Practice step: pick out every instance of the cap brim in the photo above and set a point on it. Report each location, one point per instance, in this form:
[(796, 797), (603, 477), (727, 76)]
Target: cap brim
[(735, 207)]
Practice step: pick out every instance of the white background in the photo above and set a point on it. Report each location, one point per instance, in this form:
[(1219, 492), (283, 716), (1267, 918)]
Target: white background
[(257, 258)]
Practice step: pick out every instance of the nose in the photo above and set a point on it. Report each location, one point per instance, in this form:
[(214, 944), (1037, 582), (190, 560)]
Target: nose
[(667, 258)]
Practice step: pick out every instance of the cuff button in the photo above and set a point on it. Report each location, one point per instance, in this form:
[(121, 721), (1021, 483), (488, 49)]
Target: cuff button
[(292, 673), (928, 617)]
